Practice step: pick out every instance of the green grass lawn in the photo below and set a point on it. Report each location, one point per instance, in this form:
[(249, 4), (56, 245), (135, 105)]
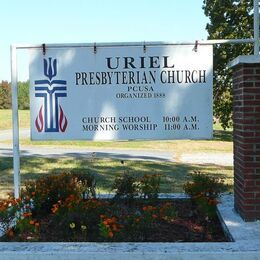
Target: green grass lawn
[(174, 175), (6, 119)]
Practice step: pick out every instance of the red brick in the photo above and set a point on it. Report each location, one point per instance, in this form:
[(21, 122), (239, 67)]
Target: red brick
[(251, 90), (246, 116), (248, 109), (247, 195), (251, 78), (248, 71), (248, 208), (249, 103), (251, 201), (249, 190), (249, 183)]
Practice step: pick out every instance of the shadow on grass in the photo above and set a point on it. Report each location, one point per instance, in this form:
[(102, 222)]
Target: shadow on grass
[(174, 175), (221, 135)]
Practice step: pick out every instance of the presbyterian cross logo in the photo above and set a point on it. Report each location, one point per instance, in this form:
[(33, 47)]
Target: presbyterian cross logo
[(51, 117)]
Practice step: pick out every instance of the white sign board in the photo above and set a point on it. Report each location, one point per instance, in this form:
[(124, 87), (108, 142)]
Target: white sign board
[(121, 92)]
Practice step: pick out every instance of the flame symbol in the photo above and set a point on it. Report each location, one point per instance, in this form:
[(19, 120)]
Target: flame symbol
[(50, 70), (63, 122), (39, 121)]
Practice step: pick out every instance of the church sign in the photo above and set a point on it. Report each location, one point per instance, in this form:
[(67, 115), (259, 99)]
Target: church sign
[(121, 92)]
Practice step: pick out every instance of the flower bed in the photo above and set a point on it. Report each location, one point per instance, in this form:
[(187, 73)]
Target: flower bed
[(65, 208)]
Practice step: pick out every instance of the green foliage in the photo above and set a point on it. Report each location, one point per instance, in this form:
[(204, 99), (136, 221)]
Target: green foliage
[(86, 184), (5, 95), (16, 217), (48, 190), (150, 186), (26, 225), (77, 216), (104, 230), (129, 186), (109, 227), (143, 223), (228, 19), (205, 191), (126, 186), (9, 209), (23, 95)]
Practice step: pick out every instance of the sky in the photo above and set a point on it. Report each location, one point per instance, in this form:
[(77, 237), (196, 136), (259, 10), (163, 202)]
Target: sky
[(89, 21)]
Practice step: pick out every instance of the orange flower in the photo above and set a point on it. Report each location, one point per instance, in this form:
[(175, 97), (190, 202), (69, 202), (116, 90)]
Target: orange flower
[(114, 227), (33, 193), (18, 200), (14, 202), (110, 234), (31, 222), (37, 224), (27, 214), (212, 202), (113, 220), (106, 222), (55, 208), (10, 233), (149, 208)]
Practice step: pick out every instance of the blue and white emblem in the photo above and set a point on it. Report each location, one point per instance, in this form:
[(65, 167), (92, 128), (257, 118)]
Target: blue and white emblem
[(51, 117)]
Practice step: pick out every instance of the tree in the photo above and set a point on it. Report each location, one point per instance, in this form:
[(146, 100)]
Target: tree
[(5, 95), (228, 19), (23, 95)]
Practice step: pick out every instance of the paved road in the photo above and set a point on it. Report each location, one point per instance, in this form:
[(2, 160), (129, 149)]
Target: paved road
[(225, 159), (60, 152)]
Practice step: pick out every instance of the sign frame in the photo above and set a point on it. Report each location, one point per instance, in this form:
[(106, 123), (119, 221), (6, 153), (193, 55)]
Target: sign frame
[(45, 47)]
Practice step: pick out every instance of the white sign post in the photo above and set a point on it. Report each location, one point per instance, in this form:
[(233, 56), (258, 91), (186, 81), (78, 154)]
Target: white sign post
[(121, 92), (16, 149)]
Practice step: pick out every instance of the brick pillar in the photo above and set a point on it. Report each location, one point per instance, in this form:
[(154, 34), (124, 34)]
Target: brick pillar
[(246, 109)]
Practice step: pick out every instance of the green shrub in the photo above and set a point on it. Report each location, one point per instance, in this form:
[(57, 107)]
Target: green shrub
[(205, 191), (150, 186), (48, 190), (126, 186), (77, 217), (129, 186)]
